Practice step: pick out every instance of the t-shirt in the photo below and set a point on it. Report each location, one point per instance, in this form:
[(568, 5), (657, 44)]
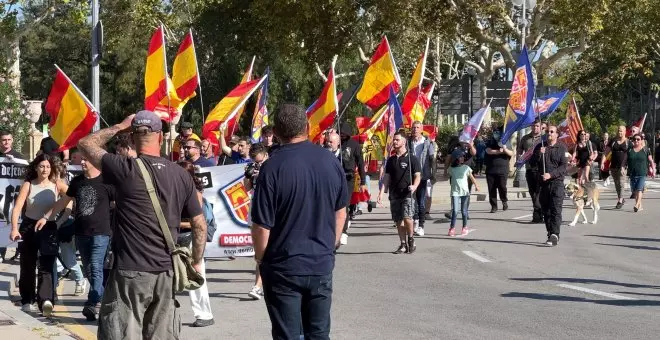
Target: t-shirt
[(138, 242), (298, 191), (238, 159), (619, 154), (204, 162), (92, 209), (638, 162), (12, 153), (459, 178), (496, 164), (402, 170)]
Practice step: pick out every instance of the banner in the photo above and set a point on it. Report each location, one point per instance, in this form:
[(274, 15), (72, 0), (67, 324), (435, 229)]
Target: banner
[(11, 179), (223, 187)]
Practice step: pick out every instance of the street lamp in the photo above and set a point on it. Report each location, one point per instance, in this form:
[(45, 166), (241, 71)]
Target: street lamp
[(525, 6)]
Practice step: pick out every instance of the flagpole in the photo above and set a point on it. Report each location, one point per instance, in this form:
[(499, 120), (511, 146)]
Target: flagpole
[(199, 78)]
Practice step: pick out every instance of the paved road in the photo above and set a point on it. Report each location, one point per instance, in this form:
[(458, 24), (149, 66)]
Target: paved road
[(499, 282)]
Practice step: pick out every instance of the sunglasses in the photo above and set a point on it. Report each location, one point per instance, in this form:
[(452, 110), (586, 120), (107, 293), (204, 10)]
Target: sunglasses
[(637, 139)]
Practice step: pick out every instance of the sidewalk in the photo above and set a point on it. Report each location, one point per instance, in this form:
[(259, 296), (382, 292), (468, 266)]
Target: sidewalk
[(14, 323)]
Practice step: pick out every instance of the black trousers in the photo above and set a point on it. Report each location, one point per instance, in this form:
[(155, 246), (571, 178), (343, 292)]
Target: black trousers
[(552, 198), (30, 246), (496, 183), (350, 209), (534, 188)]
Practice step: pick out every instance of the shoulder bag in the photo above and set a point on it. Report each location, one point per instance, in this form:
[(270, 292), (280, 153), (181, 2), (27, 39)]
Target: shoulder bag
[(185, 276)]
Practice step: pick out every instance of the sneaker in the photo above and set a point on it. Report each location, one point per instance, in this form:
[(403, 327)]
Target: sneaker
[(493, 210), (256, 293), (203, 323), (81, 286), (505, 206), (348, 226), (452, 232), (465, 231), (448, 215), (402, 249), (554, 239), (28, 308), (343, 240), (90, 312), (548, 242), (415, 224), (47, 309), (419, 231), (411, 245), (635, 209), (619, 205), (427, 216)]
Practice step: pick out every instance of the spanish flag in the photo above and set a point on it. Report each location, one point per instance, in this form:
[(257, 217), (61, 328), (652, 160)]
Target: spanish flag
[(170, 106), (155, 73), (233, 123), (322, 113), (72, 116), (228, 108), (185, 72), (412, 109), (380, 76), (260, 116)]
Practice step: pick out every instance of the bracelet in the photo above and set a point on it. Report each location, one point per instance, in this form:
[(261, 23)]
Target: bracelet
[(46, 217)]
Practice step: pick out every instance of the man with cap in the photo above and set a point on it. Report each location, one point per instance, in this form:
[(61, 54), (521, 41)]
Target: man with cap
[(139, 301), (350, 156), (180, 140)]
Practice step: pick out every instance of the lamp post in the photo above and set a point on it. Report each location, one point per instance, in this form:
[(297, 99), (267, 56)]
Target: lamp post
[(97, 37), (525, 6)]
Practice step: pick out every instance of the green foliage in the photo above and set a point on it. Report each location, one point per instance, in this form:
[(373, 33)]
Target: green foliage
[(12, 114)]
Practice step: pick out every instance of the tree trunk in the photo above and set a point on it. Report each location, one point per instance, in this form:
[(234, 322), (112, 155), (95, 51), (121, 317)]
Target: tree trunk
[(483, 95)]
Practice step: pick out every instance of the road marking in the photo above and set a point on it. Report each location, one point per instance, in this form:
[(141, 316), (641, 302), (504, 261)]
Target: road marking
[(595, 292), (523, 216), (652, 190), (476, 256), (67, 320)]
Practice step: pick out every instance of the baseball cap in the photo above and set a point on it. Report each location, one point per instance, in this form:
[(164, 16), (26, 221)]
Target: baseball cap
[(148, 119)]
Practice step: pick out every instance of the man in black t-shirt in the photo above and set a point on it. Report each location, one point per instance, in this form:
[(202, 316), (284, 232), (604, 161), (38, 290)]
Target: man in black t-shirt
[(497, 170), (138, 301), (402, 177), (298, 213), (91, 227), (7, 146)]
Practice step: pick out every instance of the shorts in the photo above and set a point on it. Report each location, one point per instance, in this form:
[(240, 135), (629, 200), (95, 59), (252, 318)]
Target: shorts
[(402, 209), (637, 183)]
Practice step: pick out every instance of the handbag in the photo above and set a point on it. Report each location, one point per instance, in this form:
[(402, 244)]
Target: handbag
[(185, 276)]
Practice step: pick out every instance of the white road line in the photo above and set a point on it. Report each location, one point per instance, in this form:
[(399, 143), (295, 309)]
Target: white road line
[(476, 256), (523, 216), (595, 292)]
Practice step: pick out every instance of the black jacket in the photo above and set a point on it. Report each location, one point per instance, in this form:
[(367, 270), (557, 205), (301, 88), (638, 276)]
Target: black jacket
[(351, 156)]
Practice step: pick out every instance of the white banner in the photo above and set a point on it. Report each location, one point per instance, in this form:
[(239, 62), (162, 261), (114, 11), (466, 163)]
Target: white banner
[(223, 187)]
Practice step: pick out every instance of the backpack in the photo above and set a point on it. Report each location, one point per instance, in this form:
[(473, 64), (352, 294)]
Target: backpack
[(211, 227)]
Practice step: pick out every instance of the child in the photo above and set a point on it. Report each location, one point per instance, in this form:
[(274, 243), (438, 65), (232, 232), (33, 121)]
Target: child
[(459, 175)]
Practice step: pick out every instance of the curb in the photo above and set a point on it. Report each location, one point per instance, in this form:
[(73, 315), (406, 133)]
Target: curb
[(38, 327)]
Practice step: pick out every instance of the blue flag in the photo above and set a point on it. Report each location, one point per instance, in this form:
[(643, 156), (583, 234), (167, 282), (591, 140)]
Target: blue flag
[(545, 106), (520, 111)]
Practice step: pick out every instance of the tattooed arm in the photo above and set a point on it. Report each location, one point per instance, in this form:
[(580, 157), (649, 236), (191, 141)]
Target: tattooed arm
[(92, 145), (198, 226)]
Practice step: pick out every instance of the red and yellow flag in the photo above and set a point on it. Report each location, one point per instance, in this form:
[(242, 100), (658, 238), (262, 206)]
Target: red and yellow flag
[(380, 75), (184, 80), (72, 116), (233, 123), (228, 108), (321, 114), (569, 128), (155, 73), (413, 106)]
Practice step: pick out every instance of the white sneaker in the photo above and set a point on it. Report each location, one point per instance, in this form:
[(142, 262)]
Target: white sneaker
[(256, 293), (349, 225), (28, 308), (47, 308), (343, 240), (419, 232), (416, 224), (81, 286)]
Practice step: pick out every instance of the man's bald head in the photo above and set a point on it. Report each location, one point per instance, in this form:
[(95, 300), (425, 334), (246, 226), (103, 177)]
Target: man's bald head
[(333, 141)]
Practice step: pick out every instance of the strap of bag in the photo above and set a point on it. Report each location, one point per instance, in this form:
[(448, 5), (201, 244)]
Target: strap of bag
[(156, 204)]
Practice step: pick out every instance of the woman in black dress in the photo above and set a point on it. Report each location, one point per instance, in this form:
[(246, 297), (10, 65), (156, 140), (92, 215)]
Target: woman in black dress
[(583, 155)]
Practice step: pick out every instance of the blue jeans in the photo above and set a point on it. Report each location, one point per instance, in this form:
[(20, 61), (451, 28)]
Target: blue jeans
[(68, 260), (457, 201), (298, 305), (92, 252), (637, 183)]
